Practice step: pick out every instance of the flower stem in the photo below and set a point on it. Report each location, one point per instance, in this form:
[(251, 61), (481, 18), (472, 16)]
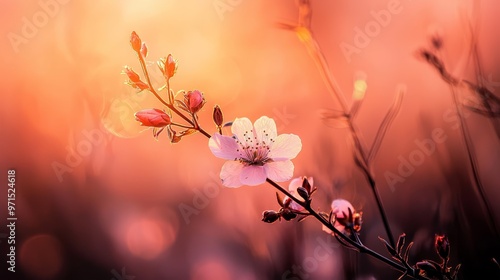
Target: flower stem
[(381, 209), (358, 245), (181, 125)]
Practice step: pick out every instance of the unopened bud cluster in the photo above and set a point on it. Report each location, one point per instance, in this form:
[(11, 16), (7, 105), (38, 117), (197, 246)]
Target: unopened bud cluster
[(161, 119), (301, 189)]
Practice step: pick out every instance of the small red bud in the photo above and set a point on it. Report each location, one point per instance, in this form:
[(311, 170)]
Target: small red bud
[(135, 42), (144, 50), (131, 74), (170, 67), (270, 216), (194, 100), (153, 118), (217, 116)]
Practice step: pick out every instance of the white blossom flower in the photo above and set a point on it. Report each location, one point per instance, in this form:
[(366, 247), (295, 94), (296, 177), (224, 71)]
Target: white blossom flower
[(255, 152)]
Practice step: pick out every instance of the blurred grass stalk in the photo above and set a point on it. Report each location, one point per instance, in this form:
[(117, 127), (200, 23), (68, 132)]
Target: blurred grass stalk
[(455, 83), (361, 157), (487, 104)]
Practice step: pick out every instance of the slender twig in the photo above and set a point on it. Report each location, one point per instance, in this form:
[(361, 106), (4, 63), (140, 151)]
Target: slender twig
[(358, 245), (169, 105), (168, 91), (180, 125)]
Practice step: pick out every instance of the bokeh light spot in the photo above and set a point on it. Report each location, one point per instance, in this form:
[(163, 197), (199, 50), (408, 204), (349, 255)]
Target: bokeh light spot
[(359, 89), (148, 238), (210, 269), (41, 256)]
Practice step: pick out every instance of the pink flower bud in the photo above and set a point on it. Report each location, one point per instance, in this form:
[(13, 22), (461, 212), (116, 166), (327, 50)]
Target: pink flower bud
[(144, 50), (340, 210), (153, 118), (135, 42), (217, 116), (131, 74), (194, 100), (170, 67)]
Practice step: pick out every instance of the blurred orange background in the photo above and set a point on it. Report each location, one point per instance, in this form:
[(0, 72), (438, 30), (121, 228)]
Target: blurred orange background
[(99, 198)]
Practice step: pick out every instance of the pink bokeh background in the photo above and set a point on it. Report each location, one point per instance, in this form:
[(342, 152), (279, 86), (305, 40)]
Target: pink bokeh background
[(97, 196)]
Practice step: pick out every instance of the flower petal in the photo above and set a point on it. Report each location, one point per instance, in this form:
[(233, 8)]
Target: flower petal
[(230, 174), (295, 183), (253, 175), (295, 206), (341, 206), (265, 130), (285, 146), (279, 171), (292, 188), (223, 146), (243, 129)]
